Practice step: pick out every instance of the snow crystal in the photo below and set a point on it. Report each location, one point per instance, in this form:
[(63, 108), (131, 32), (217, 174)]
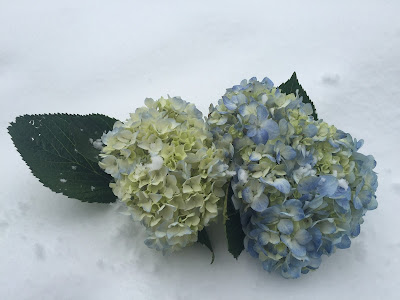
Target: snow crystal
[(156, 163), (243, 176), (92, 188), (343, 183), (74, 167), (98, 144), (63, 180)]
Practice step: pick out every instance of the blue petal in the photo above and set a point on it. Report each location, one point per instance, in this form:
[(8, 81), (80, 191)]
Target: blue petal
[(237, 88), (357, 203), (296, 213), (365, 197), (344, 243), (297, 249), (255, 156), (272, 127), (314, 263), (262, 113), (263, 238), (269, 264), (373, 204), (285, 226), (317, 202), (316, 236), (251, 131), (246, 216), (283, 126), (310, 130), (308, 184), (333, 143), (289, 153), (340, 134), (359, 144), (229, 103), (293, 203), (327, 227), (327, 185), (247, 195), (261, 136), (270, 157), (255, 233), (242, 109), (278, 156), (343, 203), (268, 82), (355, 231), (260, 203), (290, 272), (270, 215), (303, 236), (341, 193), (281, 184), (250, 248)]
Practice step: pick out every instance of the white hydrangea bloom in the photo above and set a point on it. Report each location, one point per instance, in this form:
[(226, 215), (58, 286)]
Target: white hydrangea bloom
[(167, 171)]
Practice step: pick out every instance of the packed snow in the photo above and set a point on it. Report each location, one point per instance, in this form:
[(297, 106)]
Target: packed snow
[(83, 57)]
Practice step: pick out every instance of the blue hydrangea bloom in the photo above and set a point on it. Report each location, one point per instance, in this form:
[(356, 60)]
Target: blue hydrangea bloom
[(301, 185)]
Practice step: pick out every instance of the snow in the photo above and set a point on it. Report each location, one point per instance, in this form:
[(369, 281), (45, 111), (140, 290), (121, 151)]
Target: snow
[(98, 144), (156, 163), (343, 184), (80, 57), (243, 175)]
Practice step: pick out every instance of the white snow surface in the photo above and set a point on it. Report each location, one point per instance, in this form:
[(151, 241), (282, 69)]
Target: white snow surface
[(107, 56)]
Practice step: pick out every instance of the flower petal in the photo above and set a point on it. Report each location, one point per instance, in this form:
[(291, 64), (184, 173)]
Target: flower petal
[(281, 184), (344, 243), (285, 226), (261, 136), (327, 185), (228, 103), (260, 203), (303, 236), (272, 127), (308, 184)]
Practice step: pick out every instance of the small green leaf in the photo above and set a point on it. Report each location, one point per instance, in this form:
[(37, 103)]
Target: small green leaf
[(233, 226), (291, 86), (205, 240), (59, 151)]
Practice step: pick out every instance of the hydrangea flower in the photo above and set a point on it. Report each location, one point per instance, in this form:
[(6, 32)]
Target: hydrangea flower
[(167, 171), (302, 187)]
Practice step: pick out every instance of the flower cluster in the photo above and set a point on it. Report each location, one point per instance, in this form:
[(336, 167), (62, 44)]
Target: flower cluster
[(301, 186), (167, 171)]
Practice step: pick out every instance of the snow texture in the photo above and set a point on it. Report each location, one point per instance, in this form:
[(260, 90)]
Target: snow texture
[(107, 56), (156, 163)]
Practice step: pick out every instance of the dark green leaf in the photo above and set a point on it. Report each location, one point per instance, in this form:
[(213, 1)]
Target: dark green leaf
[(205, 240), (59, 151), (291, 86), (233, 226)]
